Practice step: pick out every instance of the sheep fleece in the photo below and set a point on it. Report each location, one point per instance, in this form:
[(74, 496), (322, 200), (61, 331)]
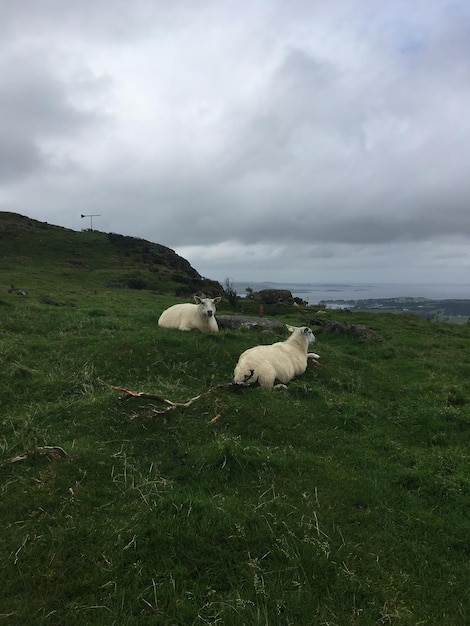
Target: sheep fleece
[(188, 316), (278, 362)]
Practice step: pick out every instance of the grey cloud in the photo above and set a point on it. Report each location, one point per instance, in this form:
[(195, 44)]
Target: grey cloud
[(37, 107), (89, 19), (319, 132), (18, 156)]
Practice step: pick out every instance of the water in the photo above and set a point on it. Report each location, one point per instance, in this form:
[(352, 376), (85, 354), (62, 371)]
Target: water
[(314, 293)]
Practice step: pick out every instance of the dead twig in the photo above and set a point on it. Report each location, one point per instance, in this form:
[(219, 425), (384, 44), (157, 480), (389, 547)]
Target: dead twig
[(52, 452), (171, 405)]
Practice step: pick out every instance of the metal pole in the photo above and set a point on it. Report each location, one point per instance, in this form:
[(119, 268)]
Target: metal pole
[(91, 216)]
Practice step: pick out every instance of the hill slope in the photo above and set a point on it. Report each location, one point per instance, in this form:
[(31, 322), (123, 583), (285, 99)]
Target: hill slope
[(36, 255), (343, 499)]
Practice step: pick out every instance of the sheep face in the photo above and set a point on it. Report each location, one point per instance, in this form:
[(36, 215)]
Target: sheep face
[(206, 306), (302, 331)]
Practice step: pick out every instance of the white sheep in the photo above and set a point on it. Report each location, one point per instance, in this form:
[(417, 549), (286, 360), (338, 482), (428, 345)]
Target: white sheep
[(188, 316), (278, 362)]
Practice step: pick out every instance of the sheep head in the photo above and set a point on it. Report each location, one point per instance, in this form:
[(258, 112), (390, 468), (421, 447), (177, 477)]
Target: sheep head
[(301, 331), (206, 305)]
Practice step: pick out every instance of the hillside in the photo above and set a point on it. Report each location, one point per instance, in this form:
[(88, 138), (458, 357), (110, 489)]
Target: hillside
[(35, 256), (343, 499)]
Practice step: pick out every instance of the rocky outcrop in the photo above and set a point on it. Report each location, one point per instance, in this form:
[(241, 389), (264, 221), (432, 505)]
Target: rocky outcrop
[(341, 328), (152, 253), (274, 296), (251, 323)]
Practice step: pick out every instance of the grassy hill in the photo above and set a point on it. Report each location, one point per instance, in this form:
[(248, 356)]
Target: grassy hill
[(39, 257), (343, 499)]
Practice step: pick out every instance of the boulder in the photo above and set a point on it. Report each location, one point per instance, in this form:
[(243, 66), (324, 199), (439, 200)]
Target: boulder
[(274, 296), (341, 328), (252, 323)]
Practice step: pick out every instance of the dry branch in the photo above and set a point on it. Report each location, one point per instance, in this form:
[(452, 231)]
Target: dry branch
[(52, 452), (171, 405)]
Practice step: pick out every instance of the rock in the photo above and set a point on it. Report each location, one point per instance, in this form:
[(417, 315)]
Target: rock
[(252, 323), (52, 302), (274, 296), (18, 292), (341, 328)]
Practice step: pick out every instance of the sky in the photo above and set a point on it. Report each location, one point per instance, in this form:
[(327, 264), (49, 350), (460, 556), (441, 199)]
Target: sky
[(262, 140)]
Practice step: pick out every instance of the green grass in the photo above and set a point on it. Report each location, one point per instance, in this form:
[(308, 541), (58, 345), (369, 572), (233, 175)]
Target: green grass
[(340, 500), (343, 499)]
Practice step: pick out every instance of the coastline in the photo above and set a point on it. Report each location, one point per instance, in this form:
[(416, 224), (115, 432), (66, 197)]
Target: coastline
[(314, 293)]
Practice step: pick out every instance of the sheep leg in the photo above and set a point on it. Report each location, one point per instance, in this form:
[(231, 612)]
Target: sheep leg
[(314, 357)]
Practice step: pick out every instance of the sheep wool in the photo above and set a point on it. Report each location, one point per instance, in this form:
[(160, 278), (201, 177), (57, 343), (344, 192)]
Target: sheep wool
[(188, 316), (277, 363)]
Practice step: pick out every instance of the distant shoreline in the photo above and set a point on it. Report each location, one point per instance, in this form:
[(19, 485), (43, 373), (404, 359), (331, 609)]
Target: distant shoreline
[(314, 293)]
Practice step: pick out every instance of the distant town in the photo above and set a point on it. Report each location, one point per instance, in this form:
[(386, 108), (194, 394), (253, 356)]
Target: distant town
[(442, 309), (456, 311)]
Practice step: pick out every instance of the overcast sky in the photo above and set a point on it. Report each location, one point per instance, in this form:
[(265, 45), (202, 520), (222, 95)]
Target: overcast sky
[(270, 140)]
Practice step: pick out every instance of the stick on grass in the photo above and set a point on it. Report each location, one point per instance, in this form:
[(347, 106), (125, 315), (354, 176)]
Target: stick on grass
[(171, 405)]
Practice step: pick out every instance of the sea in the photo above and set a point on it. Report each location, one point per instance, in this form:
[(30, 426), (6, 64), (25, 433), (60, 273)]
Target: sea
[(314, 293)]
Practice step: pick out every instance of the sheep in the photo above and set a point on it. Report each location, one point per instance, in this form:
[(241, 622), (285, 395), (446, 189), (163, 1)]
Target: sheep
[(188, 316), (279, 362)]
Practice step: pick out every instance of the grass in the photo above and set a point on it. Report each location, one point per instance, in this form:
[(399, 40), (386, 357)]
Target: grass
[(343, 499)]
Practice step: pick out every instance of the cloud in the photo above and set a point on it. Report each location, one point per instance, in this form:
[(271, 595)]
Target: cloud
[(42, 113), (254, 138)]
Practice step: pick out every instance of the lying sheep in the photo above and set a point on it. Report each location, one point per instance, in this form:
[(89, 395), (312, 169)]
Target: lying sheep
[(188, 316), (276, 363)]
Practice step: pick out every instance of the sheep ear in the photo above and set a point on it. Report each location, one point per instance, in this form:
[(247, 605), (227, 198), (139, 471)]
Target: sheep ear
[(290, 328), (198, 299), (218, 299)]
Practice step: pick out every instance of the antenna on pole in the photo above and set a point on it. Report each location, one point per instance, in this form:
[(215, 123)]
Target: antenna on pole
[(91, 216)]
